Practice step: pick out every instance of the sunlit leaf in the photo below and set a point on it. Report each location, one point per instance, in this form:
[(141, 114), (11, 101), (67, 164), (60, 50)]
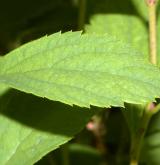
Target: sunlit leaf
[(81, 69)]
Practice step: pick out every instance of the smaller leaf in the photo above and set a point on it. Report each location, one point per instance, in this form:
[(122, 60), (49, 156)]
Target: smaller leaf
[(141, 8), (128, 28)]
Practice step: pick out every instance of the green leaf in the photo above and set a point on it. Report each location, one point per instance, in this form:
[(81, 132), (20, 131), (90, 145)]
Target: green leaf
[(142, 9), (81, 69), (30, 127), (128, 28)]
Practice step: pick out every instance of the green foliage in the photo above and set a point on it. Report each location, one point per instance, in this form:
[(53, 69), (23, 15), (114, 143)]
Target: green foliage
[(131, 27), (151, 147), (66, 62), (31, 126), (81, 69), (133, 114), (106, 67)]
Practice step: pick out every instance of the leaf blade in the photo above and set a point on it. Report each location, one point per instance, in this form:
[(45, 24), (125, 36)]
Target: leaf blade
[(133, 29), (31, 127), (81, 69)]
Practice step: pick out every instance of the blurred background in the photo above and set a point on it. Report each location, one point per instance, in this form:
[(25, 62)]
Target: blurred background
[(25, 20)]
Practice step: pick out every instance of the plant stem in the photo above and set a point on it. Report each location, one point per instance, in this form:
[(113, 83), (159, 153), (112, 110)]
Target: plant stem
[(137, 140), (151, 109), (152, 31), (82, 13)]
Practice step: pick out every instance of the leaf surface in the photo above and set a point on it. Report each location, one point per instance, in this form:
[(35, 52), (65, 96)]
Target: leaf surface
[(128, 28), (30, 127), (81, 69)]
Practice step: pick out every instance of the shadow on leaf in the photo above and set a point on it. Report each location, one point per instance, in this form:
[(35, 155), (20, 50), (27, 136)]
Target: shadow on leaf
[(43, 114)]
